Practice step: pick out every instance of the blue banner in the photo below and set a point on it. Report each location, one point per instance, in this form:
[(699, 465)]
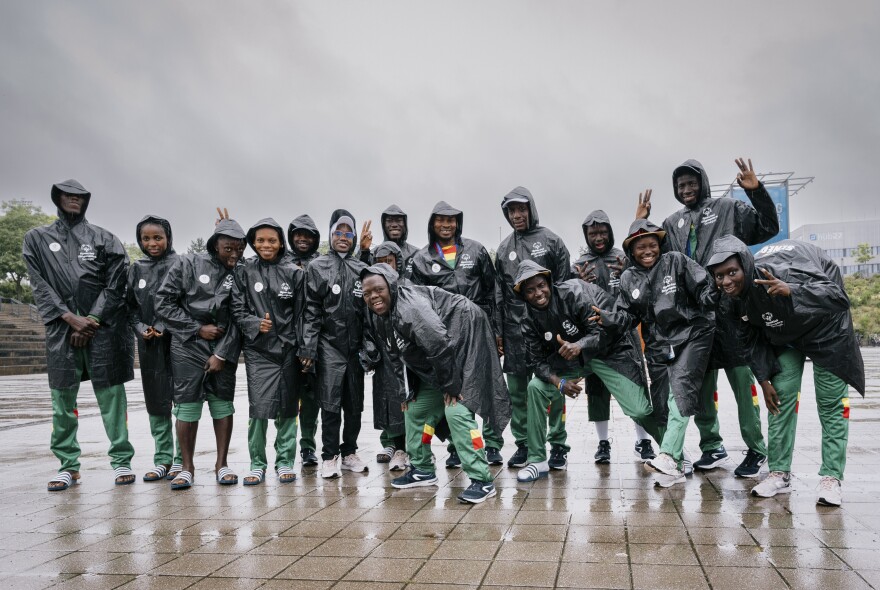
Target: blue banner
[(779, 194)]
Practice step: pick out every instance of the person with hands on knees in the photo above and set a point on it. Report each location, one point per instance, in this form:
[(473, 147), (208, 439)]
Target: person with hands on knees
[(564, 341), (443, 351), (332, 338), (692, 230), (78, 273), (601, 265), (267, 305), (790, 305), (674, 300), (194, 302), (395, 228), (154, 341)]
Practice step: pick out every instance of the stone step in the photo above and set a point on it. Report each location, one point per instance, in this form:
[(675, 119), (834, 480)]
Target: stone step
[(22, 369)]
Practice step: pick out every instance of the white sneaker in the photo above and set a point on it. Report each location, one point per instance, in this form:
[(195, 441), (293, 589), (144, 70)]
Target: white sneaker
[(777, 482), (330, 468), (829, 491), (662, 480), (665, 464), (687, 463), (353, 463), (399, 461)]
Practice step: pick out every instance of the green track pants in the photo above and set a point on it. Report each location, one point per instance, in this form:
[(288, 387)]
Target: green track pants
[(748, 409), (285, 442)]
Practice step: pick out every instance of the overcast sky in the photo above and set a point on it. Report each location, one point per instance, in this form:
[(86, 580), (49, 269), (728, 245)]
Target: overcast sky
[(282, 108)]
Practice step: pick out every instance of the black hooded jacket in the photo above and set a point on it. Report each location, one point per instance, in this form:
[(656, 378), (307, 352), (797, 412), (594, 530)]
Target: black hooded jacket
[(333, 324), (80, 268), (446, 340), (406, 249), (273, 287), (473, 274), (197, 292), (675, 303), (606, 278), (535, 243), (144, 278), (815, 320), (303, 223), (567, 316)]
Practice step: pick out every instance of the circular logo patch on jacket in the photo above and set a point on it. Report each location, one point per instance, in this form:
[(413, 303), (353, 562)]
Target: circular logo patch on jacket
[(55, 246), (435, 267), (336, 289), (512, 255), (636, 293), (681, 223), (142, 283), (204, 279), (548, 336), (258, 287)]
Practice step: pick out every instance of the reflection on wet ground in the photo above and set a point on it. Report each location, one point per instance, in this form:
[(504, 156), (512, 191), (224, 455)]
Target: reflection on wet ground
[(588, 527)]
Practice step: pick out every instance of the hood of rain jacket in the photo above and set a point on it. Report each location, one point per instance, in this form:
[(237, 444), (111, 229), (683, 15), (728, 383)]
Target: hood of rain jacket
[(303, 223), (164, 224), (815, 320), (390, 248), (270, 223), (535, 243), (81, 268), (71, 187), (606, 277), (444, 208), (446, 340), (228, 228)]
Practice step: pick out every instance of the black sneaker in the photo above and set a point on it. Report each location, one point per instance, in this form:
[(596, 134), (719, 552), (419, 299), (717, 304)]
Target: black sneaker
[(453, 460), (414, 478), (558, 458), (603, 453), (644, 450), (308, 457), (751, 465), (477, 492), (493, 456), (520, 458), (711, 459)]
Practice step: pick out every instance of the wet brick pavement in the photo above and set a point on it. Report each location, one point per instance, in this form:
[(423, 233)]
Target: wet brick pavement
[(588, 527)]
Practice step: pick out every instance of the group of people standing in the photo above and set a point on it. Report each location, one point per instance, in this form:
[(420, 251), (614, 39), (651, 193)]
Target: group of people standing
[(440, 327)]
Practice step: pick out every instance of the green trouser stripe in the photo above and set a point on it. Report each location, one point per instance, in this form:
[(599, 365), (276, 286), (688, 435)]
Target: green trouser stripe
[(422, 416), (630, 396), (285, 442), (161, 428), (707, 418), (308, 418), (676, 427), (114, 407), (518, 385), (599, 401), (546, 404), (831, 391), (748, 410)]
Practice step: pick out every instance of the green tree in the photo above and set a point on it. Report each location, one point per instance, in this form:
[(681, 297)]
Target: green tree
[(862, 254), (134, 252), (197, 246), (18, 217)]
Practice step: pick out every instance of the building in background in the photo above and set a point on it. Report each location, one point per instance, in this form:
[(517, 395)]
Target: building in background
[(841, 240)]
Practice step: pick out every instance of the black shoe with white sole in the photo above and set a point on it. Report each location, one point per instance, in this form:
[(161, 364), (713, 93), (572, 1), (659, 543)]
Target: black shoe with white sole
[(711, 459), (453, 460), (751, 465), (414, 478), (603, 453), (477, 492), (308, 457), (644, 449), (520, 458), (493, 456), (558, 458)]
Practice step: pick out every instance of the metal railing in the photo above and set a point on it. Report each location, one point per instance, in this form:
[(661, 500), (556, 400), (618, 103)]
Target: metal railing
[(18, 308)]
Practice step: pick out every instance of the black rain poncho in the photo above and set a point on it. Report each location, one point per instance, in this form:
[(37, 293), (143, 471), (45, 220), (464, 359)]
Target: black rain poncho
[(274, 287), (815, 320), (567, 316), (144, 278), (606, 278), (535, 243), (473, 274), (406, 249), (446, 341), (675, 303), (77, 267), (303, 223), (333, 326), (715, 217), (197, 292)]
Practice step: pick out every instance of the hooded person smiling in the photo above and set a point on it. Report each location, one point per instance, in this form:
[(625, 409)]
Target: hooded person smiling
[(267, 305), (790, 305), (332, 333), (154, 340), (78, 273), (443, 349)]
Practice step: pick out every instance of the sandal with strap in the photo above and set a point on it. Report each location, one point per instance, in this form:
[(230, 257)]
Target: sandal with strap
[(173, 471), (125, 474), (186, 479), (286, 474), (63, 477), (225, 472), (255, 477), (157, 473)]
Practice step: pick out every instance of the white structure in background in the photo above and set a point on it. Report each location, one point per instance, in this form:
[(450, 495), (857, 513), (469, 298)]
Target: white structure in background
[(840, 240)]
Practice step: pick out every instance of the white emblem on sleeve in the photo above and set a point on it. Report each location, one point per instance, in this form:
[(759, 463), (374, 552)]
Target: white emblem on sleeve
[(336, 289), (435, 267), (142, 283), (55, 246), (203, 279), (258, 287), (636, 293)]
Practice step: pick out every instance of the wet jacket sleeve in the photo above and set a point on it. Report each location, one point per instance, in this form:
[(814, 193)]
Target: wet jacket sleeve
[(299, 306), (561, 262), (112, 295), (700, 287), (168, 307), (598, 337), (369, 355), (247, 323), (229, 346), (416, 275), (760, 354), (50, 305), (623, 316), (313, 315), (759, 222), (535, 359), (133, 306), (815, 294), (488, 299)]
